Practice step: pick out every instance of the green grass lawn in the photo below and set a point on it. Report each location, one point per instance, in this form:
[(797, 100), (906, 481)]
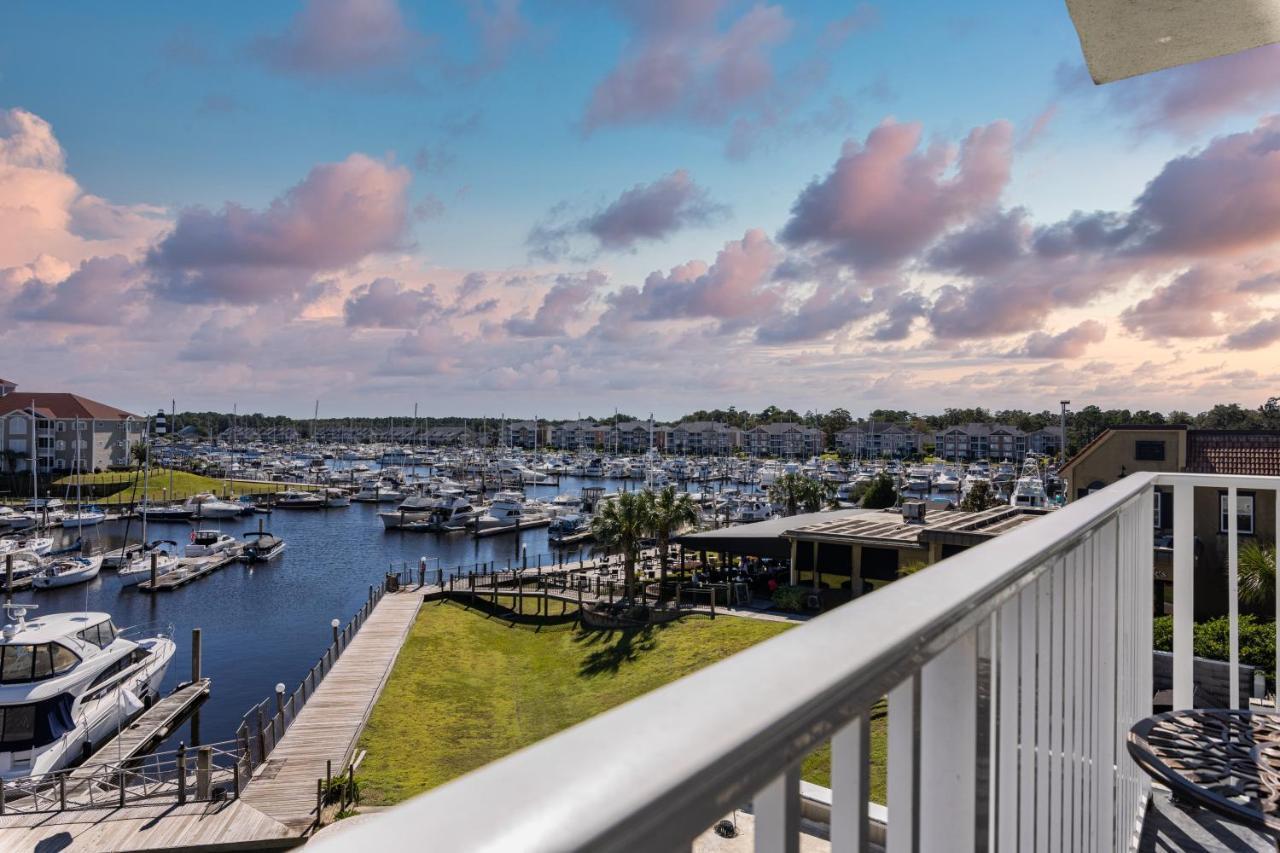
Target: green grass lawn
[(185, 484), (468, 689)]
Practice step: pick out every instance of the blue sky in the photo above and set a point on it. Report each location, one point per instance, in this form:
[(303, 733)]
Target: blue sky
[(180, 106)]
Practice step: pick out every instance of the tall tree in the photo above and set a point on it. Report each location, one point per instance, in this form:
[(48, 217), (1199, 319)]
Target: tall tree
[(670, 511), (621, 524)]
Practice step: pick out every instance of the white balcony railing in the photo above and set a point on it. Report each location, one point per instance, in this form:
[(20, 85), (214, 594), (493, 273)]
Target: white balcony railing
[(1013, 672)]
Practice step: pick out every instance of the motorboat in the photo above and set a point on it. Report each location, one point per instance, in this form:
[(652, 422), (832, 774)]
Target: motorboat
[(260, 546), (68, 571), (139, 569), (454, 512), (946, 481), (508, 511), (210, 543), (68, 682), (84, 517), (10, 517), (334, 498), (208, 505), (752, 510), (919, 480), (175, 512), (1029, 489), (569, 528), (299, 499), (378, 492)]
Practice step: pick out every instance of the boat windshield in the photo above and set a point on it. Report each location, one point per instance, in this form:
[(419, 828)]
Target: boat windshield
[(21, 663)]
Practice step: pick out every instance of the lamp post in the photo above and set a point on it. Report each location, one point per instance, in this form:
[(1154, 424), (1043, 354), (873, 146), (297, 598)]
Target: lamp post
[(334, 624)]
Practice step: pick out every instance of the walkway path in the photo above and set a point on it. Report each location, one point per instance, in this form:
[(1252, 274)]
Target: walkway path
[(329, 725)]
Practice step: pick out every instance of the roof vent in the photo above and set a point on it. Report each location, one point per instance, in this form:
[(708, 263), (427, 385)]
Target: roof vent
[(913, 511)]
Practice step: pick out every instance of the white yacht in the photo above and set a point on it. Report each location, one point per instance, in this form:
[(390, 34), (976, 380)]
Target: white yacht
[(749, 510), (509, 511), (1029, 489), (208, 505), (139, 569), (919, 480), (946, 481), (10, 517), (299, 499), (84, 518), (209, 543), (334, 498), (68, 571), (67, 682)]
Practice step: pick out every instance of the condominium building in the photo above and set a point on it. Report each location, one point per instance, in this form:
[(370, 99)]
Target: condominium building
[(783, 439), (66, 430)]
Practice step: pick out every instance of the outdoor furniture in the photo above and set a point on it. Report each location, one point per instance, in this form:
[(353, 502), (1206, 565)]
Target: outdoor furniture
[(1227, 761)]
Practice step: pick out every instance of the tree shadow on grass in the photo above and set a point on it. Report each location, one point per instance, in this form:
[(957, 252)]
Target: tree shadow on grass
[(615, 647)]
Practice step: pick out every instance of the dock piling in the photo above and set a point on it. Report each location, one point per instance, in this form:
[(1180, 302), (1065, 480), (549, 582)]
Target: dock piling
[(153, 569), (204, 763), (195, 641), (182, 774)]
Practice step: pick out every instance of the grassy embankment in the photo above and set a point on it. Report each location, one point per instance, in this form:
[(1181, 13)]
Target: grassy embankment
[(185, 484), (468, 689)]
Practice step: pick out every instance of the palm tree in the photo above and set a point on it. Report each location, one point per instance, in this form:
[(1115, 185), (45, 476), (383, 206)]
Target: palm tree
[(669, 512), (1257, 565), (621, 524), (797, 492)]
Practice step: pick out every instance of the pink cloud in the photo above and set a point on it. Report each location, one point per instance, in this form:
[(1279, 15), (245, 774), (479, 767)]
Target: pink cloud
[(737, 289), (385, 303), (95, 294), (646, 212), (337, 37), (886, 199), (1191, 97), (339, 214), (565, 302), (679, 63), (1071, 343), (1261, 334)]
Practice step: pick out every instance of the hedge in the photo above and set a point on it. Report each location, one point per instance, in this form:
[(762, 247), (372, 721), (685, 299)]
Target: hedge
[(1213, 640)]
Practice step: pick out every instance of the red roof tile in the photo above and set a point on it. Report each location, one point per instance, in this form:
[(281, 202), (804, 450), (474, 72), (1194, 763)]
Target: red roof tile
[(60, 405), (1233, 452)]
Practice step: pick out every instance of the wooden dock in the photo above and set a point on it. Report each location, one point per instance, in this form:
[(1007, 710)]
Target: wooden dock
[(328, 726), (189, 569), (152, 726)]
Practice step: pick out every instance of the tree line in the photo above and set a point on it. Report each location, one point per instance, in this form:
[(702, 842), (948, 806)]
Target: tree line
[(1083, 425)]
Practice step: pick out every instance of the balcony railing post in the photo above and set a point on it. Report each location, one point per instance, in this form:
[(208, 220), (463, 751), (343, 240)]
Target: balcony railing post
[(851, 785), (901, 788), (1233, 591), (1184, 592), (777, 814), (946, 778)]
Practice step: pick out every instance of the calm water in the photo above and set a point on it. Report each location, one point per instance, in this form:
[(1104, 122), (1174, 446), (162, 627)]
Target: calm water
[(269, 623)]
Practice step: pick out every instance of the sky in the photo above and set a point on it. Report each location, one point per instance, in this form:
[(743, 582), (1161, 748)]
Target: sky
[(520, 208)]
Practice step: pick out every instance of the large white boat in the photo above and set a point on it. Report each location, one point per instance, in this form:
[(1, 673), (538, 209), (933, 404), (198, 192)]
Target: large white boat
[(84, 518), (336, 498), (1029, 489), (509, 511), (67, 682), (208, 505), (139, 569), (299, 499), (210, 543), (68, 571)]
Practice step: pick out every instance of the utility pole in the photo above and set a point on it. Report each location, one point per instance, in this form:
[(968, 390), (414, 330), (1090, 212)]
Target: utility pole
[(1065, 403)]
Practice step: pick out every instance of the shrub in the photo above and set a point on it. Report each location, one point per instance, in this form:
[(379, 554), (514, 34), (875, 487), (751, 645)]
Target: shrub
[(790, 598), (1212, 639), (880, 494)]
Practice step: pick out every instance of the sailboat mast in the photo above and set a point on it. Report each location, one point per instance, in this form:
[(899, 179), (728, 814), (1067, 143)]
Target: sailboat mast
[(173, 425)]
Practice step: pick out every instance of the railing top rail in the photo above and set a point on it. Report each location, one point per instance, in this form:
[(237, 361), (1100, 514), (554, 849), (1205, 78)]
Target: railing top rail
[(716, 737), (1218, 481)]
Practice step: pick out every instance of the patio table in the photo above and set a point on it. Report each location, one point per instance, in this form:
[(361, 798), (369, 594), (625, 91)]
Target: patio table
[(1227, 761)]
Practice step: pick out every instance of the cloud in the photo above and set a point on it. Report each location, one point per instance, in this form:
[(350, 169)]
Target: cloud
[(565, 302), (500, 26), (339, 214), (1261, 334), (885, 200), (680, 64), (342, 37), (737, 289), (1191, 97), (44, 211), (385, 303), (1193, 305), (92, 295), (1071, 343), (646, 212)]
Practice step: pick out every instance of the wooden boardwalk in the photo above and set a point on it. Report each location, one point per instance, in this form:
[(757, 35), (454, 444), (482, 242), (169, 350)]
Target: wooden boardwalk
[(189, 569), (328, 726), (231, 825), (152, 726)]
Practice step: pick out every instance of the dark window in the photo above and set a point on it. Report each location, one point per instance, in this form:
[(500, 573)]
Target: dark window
[(18, 724), (101, 635), (1148, 451), (18, 664), (1244, 513)]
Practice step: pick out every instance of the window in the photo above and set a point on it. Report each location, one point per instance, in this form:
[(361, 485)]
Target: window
[(17, 665), (18, 724), (1244, 513), (1159, 500), (1148, 451), (101, 635), (62, 427), (20, 664), (63, 658)]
